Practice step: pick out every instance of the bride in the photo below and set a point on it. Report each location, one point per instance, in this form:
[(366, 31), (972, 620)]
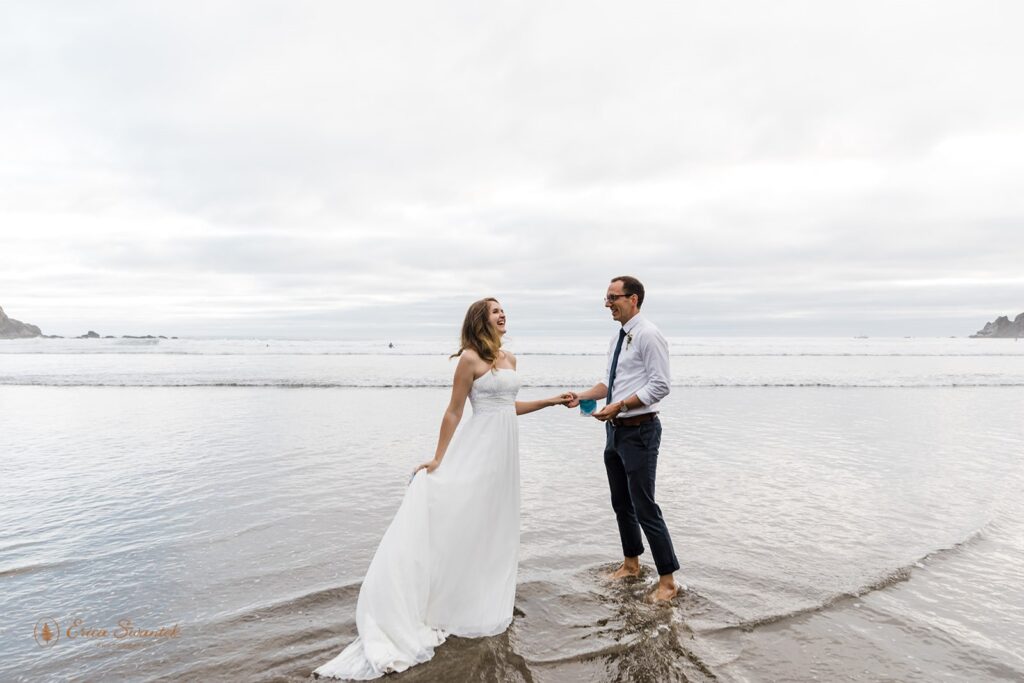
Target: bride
[(447, 563)]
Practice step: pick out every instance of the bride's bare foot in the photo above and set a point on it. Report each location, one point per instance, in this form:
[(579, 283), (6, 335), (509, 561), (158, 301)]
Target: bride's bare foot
[(626, 570)]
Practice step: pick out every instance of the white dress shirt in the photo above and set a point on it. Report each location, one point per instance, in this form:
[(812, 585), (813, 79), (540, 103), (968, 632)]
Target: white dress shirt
[(642, 368)]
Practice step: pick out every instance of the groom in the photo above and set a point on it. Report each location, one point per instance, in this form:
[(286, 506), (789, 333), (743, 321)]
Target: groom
[(638, 379)]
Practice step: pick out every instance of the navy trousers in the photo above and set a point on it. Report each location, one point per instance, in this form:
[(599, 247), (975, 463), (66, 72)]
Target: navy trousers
[(631, 460)]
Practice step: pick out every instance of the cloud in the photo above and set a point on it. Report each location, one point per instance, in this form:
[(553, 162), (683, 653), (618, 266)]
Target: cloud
[(329, 168)]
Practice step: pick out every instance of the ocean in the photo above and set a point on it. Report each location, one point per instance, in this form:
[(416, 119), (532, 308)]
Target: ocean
[(204, 509)]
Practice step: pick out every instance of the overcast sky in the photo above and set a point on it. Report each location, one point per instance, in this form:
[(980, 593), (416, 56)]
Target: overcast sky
[(335, 169)]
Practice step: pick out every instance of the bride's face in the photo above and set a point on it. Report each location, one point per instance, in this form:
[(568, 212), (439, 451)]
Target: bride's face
[(496, 317)]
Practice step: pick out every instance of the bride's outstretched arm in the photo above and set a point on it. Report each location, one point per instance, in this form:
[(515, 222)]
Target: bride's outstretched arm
[(524, 407), (461, 385)]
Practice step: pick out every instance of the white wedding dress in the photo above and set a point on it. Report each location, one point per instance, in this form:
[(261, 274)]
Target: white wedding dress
[(447, 564)]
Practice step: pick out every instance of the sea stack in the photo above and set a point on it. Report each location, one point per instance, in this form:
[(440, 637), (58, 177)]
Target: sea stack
[(1001, 327), (15, 329)]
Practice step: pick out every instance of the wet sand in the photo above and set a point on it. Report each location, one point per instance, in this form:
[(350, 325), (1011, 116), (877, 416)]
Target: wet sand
[(824, 534)]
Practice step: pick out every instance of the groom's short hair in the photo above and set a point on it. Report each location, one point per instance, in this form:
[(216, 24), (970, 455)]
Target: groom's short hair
[(631, 286)]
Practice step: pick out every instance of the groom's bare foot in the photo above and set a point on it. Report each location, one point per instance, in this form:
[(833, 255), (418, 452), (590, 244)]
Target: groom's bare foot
[(666, 590), (626, 570)]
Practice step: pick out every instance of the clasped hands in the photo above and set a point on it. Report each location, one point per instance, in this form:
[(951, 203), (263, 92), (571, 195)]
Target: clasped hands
[(604, 414)]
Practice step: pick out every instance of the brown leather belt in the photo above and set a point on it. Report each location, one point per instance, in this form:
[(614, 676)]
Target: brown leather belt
[(633, 421)]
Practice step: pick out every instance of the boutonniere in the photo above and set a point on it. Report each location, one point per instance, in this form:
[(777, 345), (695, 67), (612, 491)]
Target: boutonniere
[(629, 339)]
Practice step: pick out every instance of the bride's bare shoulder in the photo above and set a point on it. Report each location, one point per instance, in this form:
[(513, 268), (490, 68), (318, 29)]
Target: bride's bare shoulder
[(471, 364), (470, 356)]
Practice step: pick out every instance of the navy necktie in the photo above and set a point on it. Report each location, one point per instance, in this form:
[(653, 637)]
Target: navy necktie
[(615, 362)]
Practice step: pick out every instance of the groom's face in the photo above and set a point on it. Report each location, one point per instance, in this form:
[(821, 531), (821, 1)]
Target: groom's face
[(622, 307)]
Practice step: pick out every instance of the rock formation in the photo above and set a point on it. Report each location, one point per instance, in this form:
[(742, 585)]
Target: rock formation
[(15, 329), (1002, 327)]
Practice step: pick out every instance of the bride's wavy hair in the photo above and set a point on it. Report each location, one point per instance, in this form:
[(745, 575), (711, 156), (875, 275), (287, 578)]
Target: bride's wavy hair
[(478, 333)]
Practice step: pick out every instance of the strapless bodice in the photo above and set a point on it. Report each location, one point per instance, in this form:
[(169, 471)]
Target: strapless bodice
[(494, 391)]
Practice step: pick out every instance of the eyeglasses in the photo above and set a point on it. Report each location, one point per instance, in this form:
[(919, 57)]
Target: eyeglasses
[(612, 297)]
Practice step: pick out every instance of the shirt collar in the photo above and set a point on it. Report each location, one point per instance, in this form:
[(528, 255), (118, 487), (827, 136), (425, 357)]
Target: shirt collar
[(633, 322)]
